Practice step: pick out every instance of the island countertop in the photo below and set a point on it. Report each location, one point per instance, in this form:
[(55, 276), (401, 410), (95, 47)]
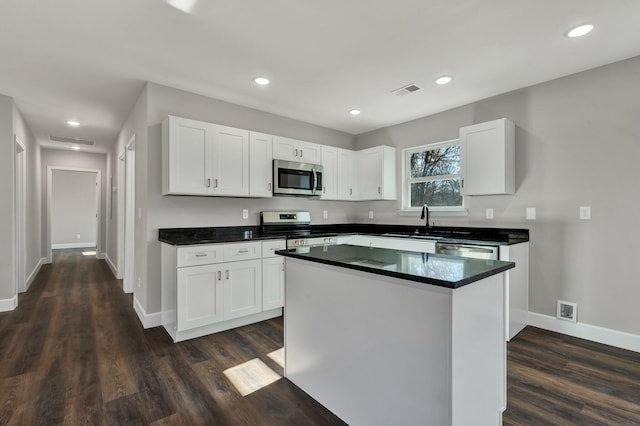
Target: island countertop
[(435, 269)]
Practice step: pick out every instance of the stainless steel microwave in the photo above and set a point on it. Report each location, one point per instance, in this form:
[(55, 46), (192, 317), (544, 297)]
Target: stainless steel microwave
[(298, 179)]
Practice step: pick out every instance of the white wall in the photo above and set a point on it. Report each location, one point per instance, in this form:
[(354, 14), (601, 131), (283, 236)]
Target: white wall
[(7, 267), (73, 208), (577, 144), (58, 158)]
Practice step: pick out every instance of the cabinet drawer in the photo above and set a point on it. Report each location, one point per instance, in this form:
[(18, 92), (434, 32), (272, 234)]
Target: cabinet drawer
[(270, 247), (199, 255), (242, 251)]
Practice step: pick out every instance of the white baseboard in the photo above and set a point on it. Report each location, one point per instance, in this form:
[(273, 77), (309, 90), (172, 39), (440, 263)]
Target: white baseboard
[(112, 266), (34, 273), (594, 333), (73, 245), (147, 320), (99, 255), (7, 305)]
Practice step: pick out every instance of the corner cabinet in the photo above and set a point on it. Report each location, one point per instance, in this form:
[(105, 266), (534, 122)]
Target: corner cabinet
[(488, 158), (215, 287), (201, 158), (377, 173)]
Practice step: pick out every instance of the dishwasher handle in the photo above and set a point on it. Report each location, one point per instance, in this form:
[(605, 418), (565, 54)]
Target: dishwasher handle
[(468, 250)]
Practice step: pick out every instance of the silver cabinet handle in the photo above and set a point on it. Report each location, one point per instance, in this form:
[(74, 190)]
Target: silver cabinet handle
[(350, 191), (201, 254), (208, 183), (301, 154), (379, 190), (269, 186), (324, 189), (227, 274), (219, 275), (296, 152), (462, 183), (243, 251), (215, 183)]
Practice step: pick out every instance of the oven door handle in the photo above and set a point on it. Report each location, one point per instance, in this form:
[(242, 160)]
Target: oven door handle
[(315, 180)]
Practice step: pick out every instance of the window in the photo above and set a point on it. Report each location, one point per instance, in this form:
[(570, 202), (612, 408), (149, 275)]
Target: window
[(432, 176)]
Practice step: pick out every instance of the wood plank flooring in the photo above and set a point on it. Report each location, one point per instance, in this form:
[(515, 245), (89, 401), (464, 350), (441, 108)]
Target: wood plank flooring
[(74, 352)]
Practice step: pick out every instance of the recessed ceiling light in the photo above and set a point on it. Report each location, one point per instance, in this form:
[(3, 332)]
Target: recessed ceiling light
[(73, 123), (75, 148), (354, 112), (445, 79), (579, 31), (262, 81)]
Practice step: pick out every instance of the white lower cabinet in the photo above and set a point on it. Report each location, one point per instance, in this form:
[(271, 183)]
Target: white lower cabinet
[(272, 274), (214, 287)]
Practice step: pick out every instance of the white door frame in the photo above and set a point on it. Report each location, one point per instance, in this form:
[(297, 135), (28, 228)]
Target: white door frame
[(120, 215), (130, 215), (98, 172), (20, 284)]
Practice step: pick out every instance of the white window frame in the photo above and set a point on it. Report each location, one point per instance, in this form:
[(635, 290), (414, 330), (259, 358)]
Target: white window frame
[(406, 209)]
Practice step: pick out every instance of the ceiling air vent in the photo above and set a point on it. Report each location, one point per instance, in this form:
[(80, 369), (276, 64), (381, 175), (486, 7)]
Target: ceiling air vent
[(409, 88), (71, 140)]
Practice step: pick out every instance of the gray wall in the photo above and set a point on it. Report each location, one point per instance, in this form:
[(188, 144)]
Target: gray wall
[(577, 144), (73, 207), (80, 160), (7, 287)]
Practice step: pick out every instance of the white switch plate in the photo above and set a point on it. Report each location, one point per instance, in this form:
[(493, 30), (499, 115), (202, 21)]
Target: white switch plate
[(245, 214), (489, 213), (531, 213), (325, 214), (370, 214), (585, 212)]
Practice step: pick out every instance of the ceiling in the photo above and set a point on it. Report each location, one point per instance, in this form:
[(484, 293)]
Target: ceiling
[(88, 60)]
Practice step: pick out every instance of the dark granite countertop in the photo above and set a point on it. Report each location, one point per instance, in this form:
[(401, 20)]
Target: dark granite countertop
[(226, 234), (435, 269)]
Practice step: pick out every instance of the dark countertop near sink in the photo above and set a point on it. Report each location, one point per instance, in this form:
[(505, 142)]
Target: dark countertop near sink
[(227, 234), (440, 270)]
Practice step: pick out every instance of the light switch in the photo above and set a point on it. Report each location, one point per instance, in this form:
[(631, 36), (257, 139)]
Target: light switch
[(370, 214), (245, 214), (489, 213), (325, 214), (585, 212), (531, 213)]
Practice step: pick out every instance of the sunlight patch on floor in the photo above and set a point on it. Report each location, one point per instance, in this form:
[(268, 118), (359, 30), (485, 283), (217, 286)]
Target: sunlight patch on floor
[(89, 253), (250, 376), (277, 356)]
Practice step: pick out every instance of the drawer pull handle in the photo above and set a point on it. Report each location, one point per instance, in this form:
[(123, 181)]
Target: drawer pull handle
[(227, 273), (201, 254), (243, 251), (219, 275)]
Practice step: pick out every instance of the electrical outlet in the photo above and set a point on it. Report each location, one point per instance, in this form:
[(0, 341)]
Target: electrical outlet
[(325, 214), (370, 214), (245, 214), (489, 213), (78, 236), (567, 311), (531, 213), (585, 212)]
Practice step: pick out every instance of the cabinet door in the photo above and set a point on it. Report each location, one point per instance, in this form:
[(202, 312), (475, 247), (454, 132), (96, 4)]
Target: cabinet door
[(187, 148), (260, 165), (488, 158), (309, 152), (230, 161), (370, 173), (272, 283), (242, 288), (347, 174), (285, 148), (199, 296), (329, 173)]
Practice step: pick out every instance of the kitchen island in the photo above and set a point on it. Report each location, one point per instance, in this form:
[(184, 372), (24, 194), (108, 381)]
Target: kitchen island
[(384, 337)]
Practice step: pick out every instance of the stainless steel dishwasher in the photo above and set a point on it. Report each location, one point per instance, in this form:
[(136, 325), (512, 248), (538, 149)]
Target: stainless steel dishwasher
[(468, 250)]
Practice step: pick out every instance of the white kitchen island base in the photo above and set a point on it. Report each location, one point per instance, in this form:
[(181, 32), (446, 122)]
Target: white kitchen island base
[(379, 350)]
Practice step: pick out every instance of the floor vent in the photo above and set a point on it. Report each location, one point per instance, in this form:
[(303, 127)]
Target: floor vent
[(405, 90), (567, 311), (71, 140)]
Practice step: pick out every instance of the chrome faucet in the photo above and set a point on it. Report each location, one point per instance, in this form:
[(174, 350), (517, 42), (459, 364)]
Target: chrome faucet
[(425, 215)]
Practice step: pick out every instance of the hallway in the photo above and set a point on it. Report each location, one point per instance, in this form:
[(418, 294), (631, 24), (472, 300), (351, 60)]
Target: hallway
[(74, 352)]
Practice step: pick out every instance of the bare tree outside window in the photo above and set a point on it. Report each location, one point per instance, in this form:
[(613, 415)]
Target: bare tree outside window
[(433, 175)]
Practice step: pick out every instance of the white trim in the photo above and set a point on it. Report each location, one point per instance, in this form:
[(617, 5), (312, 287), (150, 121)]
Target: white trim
[(34, 273), (147, 320), (594, 333), (72, 245), (113, 268), (7, 305)]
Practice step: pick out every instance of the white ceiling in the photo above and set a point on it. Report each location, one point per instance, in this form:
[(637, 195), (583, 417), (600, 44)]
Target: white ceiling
[(88, 59)]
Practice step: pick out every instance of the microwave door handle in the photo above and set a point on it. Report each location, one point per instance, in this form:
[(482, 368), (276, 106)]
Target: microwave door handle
[(315, 179)]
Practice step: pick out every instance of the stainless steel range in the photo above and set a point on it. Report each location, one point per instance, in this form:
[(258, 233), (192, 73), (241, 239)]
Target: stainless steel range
[(295, 226)]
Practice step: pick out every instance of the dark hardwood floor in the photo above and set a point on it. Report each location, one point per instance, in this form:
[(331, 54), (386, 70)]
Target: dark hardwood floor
[(74, 352)]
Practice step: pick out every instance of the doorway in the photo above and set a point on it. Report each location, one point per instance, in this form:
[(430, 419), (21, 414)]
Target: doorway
[(63, 198), (20, 212), (129, 215)]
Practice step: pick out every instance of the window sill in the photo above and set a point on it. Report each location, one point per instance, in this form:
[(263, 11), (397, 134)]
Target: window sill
[(434, 212)]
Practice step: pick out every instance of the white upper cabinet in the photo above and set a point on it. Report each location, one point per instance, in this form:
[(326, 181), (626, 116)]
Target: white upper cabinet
[(295, 150), (347, 175), (260, 165), (488, 158), (204, 159), (329, 173), (377, 173)]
